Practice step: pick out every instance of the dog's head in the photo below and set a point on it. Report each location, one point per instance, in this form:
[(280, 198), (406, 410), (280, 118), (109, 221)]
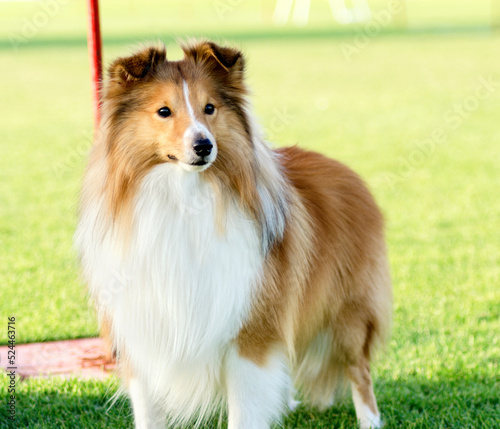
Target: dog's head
[(183, 112)]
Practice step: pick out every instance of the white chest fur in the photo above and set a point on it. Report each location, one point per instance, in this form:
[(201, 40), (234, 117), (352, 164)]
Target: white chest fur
[(182, 292)]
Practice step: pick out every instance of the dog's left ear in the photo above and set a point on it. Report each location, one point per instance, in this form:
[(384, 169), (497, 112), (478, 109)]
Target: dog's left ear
[(226, 62)]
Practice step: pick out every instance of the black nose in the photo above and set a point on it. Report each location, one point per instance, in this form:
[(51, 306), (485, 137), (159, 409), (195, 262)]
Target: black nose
[(203, 147)]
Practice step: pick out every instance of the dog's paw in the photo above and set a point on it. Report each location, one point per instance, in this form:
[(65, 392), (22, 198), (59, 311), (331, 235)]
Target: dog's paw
[(293, 404)]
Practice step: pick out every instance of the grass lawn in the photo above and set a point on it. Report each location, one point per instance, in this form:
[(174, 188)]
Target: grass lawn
[(403, 111)]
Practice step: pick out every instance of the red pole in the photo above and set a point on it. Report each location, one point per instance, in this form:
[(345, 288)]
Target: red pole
[(95, 47)]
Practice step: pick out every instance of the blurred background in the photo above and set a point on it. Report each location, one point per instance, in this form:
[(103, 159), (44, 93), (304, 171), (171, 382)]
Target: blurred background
[(406, 92)]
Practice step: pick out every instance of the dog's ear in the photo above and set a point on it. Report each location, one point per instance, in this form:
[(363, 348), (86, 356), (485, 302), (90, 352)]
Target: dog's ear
[(128, 70), (224, 61)]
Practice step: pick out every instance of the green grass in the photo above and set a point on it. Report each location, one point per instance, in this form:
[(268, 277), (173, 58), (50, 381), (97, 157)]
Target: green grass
[(448, 401), (373, 112)]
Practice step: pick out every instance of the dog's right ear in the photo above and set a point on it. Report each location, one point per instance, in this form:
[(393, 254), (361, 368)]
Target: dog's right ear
[(129, 70)]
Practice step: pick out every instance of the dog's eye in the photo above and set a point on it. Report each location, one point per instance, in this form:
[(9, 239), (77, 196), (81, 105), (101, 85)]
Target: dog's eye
[(164, 112), (209, 109)]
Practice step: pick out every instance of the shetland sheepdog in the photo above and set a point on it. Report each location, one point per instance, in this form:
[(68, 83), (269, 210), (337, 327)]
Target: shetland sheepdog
[(227, 275)]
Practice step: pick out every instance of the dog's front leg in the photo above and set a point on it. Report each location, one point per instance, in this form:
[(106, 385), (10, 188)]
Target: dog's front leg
[(257, 393), (145, 414)]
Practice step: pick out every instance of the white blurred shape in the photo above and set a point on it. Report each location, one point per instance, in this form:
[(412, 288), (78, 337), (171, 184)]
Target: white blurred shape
[(301, 12), (359, 12), (300, 15)]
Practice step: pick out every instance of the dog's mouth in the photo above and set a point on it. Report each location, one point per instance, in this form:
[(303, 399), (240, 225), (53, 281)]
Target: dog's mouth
[(198, 166), (200, 162)]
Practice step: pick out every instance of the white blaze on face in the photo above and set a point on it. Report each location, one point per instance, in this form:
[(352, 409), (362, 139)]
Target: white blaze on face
[(193, 132)]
